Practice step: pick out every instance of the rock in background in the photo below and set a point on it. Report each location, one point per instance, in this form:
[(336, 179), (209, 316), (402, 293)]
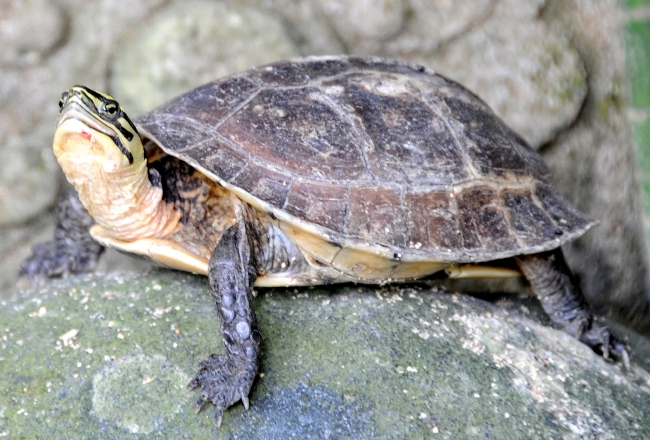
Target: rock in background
[(593, 160), (553, 69)]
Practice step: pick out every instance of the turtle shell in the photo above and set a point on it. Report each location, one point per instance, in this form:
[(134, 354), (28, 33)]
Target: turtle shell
[(371, 154)]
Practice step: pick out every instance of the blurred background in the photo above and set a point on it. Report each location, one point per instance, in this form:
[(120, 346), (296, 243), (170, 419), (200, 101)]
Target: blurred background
[(572, 76)]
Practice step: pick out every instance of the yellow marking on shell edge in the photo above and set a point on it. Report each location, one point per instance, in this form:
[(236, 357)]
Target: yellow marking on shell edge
[(165, 252), (311, 244), (367, 266), (355, 264), (170, 254), (279, 280), (478, 271)]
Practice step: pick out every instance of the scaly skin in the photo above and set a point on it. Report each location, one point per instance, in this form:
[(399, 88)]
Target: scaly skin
[(72, 250), (227, 379), (562, 299)]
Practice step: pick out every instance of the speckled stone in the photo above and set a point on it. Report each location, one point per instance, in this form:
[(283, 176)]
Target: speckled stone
[(533, 78), (191, 43), (595, 164), (365, 25), (305, 23), (150, 379), (110, 357), (30, 89), (29, 29), (432, 23)]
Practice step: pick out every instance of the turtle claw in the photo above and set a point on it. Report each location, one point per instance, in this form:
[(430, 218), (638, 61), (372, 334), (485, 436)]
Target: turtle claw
[(620, 351), (218, 417), (194, 384), (199, 406), (600, 340), (224, 380), (52, 259), (40, 264)]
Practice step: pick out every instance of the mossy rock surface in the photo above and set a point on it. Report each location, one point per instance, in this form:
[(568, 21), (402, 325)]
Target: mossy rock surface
[(344, 362)]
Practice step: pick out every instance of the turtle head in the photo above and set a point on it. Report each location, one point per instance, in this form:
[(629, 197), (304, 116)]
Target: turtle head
[(93, 129), (102, 155)]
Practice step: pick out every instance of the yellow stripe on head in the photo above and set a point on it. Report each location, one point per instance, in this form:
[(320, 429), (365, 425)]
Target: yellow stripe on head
[(104, 114), (101, 153)]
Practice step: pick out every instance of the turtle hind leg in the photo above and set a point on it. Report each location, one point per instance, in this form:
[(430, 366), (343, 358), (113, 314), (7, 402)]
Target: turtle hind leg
[(72, 250), (562, 299), (225, 379)]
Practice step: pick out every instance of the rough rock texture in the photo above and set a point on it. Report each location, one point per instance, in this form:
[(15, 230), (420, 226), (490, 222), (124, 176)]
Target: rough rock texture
[(38, 69), (554, 69), (595, 167), (20, 44), (532, 76), (203, 40), (110, 356)]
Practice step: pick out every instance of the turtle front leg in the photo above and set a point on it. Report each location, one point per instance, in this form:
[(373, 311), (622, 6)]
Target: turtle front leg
[(72, 250), (562, 299), (228, 378)]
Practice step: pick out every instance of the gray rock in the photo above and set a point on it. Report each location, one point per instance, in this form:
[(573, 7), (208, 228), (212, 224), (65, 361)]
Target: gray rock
[(533, 78), (365, 25), (29, 175), (29, 29), (396, 28), (191, 43), (594, 165), (432, 23), (305, 23), (15, 245), (110, 357)]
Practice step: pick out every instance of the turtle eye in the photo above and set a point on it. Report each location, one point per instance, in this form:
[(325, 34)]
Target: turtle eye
[(111, 109), (64, 98)]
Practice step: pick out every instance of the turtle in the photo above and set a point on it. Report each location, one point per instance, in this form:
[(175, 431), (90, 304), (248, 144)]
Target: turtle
[(312, 171)]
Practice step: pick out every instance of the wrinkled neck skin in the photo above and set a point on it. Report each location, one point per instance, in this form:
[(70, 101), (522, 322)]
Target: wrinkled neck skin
[(123, 201)]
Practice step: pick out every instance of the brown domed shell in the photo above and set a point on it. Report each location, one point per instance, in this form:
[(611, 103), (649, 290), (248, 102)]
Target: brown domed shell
[(371, 152)]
